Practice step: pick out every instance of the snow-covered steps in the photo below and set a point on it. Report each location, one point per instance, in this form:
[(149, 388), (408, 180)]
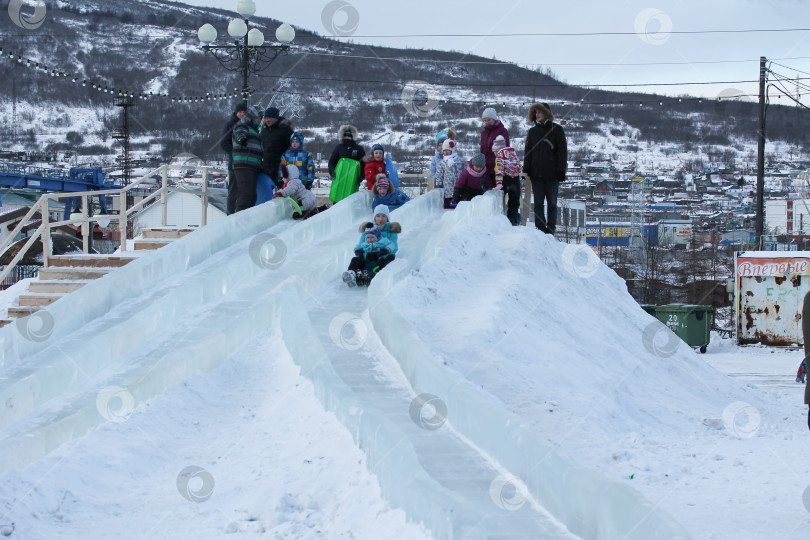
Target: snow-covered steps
[(72, 272), (89, 261), (38, 300), (68, 273), (165, 233), (152, 239), (57, 286)]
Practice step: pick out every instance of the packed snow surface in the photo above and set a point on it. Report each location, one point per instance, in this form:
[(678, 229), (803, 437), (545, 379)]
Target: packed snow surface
[(541, 327)]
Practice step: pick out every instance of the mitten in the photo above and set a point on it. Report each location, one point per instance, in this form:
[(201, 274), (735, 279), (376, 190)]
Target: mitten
[(499, 186), (242, 141), (308, 184), (453, 204), (372, 256), (358, 253), (384, 252)]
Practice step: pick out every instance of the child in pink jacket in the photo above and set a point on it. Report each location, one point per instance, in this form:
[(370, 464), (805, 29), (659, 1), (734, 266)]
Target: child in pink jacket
[(507, 177)]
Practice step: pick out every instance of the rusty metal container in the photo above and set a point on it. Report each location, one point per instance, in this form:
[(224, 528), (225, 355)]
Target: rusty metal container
[(769, 290)]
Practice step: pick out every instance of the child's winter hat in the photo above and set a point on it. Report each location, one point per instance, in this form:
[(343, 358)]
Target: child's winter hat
[(254, 113), (240, 107), (382, 180), (373, 231), (384, 210), (445, 134), (379, 147), (479, 160), (499, 143), (298, 136), (290, 173), (489, 112), (449, 144)]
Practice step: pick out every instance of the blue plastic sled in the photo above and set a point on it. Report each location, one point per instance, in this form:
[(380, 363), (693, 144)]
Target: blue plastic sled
[(265, 187)]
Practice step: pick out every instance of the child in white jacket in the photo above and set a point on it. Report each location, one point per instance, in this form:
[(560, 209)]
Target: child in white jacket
[(449, 171), (294, 189)]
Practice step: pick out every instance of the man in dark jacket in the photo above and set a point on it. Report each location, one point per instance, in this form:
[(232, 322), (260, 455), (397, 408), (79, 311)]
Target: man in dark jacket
[(545, 162), (226, 143), (247, 157), (276, 134), (492, 128), (347, 149), (806, 338)]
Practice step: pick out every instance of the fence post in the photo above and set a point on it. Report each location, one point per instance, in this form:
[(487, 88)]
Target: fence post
[(527, 200), (85, 226), (164, 202), (204, 217), (46, 233)]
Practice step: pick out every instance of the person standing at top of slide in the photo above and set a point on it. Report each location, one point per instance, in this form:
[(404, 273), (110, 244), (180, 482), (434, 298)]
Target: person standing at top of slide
[(492, 128)]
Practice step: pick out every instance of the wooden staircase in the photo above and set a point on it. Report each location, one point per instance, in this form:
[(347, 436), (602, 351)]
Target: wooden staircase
[(68, 273)]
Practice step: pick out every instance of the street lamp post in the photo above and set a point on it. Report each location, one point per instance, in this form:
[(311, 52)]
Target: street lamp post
[(249, 53)]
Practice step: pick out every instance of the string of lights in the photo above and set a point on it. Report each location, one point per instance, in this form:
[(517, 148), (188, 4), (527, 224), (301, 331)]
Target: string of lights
[(426, 89)]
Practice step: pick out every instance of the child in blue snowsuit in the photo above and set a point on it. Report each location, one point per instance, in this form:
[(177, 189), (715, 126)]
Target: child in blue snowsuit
[(369, 254), (384, 194), (301, 158)]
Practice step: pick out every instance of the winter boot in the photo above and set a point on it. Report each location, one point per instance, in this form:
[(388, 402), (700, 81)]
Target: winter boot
[(364, 278), (350, 278)]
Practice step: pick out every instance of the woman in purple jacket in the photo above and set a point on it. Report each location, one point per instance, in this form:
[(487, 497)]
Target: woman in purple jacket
[(492, 128)]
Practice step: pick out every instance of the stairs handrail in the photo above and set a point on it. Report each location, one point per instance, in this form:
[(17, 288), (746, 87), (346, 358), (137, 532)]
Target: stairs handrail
[(44, 230)]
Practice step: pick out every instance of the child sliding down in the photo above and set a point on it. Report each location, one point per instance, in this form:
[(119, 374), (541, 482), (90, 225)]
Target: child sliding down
[(370, 256)]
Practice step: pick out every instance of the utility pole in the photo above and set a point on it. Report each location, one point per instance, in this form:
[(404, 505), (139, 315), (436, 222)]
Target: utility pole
[(14, 112), (761, 154)]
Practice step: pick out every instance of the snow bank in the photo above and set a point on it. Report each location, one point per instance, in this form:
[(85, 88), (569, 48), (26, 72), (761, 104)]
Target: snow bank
[(588, 504)]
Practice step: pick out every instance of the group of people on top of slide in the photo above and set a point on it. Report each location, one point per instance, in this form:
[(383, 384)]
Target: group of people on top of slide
[(264, 142)]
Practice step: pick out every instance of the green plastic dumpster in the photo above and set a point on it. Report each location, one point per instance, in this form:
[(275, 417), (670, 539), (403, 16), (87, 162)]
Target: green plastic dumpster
[(691, 323), (649, 308)]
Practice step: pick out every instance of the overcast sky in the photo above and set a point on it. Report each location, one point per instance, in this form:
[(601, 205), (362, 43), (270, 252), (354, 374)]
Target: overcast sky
[(651, 36)]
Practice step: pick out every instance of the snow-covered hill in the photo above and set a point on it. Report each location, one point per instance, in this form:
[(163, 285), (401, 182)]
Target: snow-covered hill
[(62, 75)]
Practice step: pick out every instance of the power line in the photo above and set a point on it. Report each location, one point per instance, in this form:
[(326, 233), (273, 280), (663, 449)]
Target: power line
[(496, 85), (790, 68), (574, 34)]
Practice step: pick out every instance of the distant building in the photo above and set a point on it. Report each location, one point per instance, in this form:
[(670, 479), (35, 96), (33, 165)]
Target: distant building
[(740, 236), (183, 210), (618, 233), (571, 220), (785, 216), (674, 232)]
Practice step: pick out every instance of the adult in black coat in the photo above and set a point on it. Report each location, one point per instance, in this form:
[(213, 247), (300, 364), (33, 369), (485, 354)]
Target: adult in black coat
[(226, 143), (545, 162), (276, 134), (349, 148)]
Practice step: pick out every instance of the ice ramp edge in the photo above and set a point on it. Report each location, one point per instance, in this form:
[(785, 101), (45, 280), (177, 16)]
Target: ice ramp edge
[(50, 406), (67, 362), (64, 316), (588, 504)]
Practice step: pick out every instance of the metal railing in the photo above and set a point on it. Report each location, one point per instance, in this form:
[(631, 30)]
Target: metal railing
[(122, 216)]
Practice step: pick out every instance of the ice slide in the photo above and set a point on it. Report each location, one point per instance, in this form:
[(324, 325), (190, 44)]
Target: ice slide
[(184, 309)]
